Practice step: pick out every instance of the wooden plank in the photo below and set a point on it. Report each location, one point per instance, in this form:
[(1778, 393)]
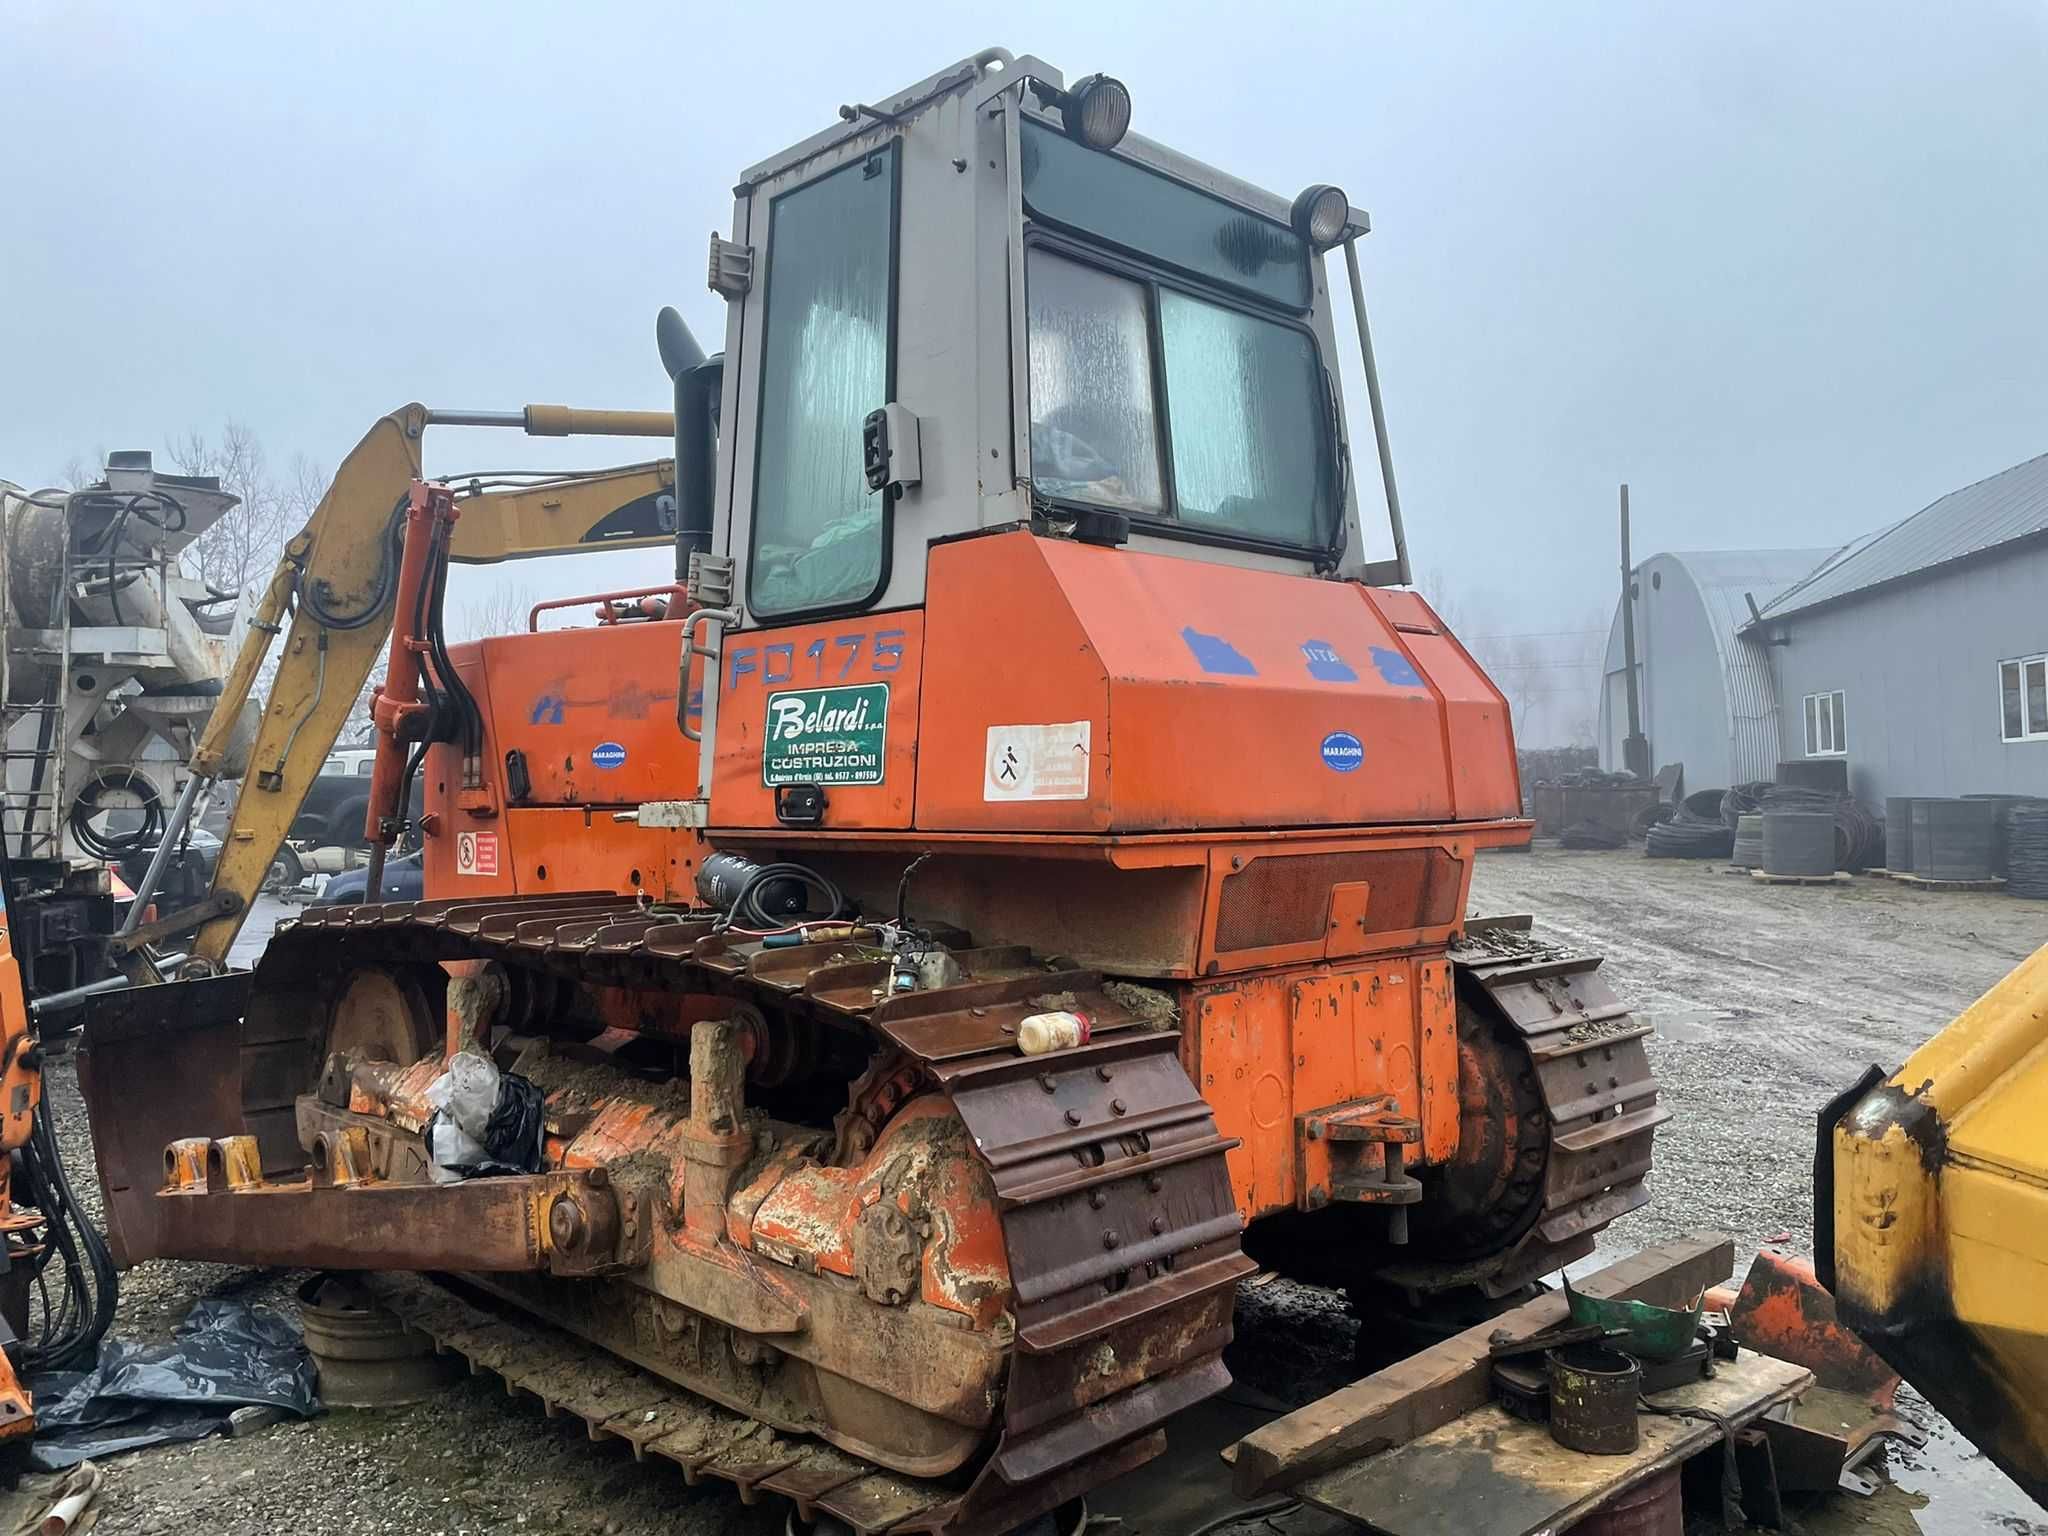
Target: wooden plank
[(1487, 1471), (1431, 1388)]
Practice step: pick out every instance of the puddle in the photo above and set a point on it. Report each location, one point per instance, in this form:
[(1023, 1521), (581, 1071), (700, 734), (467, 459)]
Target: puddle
[(1944, 1488)]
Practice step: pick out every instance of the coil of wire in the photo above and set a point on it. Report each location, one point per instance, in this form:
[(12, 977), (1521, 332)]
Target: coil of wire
[(1859, 836), (1749, 840), (2026, 850), (1695, 830), (1743, 800)]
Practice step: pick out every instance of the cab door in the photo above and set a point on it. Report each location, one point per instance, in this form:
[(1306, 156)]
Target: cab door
[(817, 705)]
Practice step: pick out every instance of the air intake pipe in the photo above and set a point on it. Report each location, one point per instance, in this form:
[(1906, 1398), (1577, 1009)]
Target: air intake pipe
[(697, 383)]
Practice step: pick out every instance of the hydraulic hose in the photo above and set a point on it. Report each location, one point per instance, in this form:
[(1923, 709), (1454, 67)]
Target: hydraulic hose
[(76, 1304)]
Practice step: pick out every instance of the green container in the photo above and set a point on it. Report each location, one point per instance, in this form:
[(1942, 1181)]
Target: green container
[(1647, 1332)]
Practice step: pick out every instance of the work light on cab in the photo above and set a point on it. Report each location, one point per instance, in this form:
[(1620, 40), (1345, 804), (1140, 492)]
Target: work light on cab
[(1096, 111), (1320, 214)]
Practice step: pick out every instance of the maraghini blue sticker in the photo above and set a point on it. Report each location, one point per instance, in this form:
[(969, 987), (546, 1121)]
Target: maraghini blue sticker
[(1342, 751), (607, 754)]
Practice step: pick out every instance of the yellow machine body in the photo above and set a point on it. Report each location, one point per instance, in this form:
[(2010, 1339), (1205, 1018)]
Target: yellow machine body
[(1935, 1185)]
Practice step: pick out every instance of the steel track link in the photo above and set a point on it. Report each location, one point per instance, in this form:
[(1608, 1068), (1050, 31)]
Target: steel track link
[(1109, 1174), (1592, 1075)]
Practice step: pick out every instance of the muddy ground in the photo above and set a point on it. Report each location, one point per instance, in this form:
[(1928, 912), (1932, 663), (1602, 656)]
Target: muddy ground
[(1767, 1000)]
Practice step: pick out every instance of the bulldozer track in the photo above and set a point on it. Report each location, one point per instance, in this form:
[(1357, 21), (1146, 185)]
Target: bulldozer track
[(1587, 1068), (1109, 1176)]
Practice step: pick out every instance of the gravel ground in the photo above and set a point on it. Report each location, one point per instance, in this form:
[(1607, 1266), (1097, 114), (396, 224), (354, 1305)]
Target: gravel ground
[(1767, 1001)]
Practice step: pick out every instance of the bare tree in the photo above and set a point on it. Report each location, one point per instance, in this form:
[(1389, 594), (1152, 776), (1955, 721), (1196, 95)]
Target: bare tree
[(243, 546), (76, 474), (501, 610), (1435, 587)]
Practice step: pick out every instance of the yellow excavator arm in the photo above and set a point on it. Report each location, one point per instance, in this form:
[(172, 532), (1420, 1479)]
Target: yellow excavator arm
[(337, 580)]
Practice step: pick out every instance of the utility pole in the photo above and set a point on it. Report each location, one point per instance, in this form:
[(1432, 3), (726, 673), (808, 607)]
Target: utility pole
[(1635, 750)]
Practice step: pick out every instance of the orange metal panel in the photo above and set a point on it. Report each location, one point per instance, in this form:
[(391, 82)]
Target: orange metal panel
[(563, 848), (1004, 646), (1244, 1069), (1437, 1058), (563, 697), (1406, 907), (1265, 1050), (556, 697), (798, 663), (1349, 902), (1479, 738), (1212, 696)]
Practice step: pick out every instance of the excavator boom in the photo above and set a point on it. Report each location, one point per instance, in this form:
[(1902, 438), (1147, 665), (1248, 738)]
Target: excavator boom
[(336, 584)]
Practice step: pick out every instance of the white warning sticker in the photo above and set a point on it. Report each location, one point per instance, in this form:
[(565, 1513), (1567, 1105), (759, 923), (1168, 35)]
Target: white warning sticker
[(476, 853), (1037, 762)]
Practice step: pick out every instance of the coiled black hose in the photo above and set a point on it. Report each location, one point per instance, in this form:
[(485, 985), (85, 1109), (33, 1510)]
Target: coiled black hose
[(2026, 850), (1859, 836), (1691, 833), (1743, 800), (111, 847), (747, 911)]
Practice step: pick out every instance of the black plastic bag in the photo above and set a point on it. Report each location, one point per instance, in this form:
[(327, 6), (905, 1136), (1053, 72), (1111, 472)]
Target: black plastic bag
[(225, 1355), (513, 1133)]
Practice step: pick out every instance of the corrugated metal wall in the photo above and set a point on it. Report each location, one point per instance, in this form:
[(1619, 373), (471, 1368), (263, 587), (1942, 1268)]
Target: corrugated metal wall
[(1918, 668), (1707, 694)]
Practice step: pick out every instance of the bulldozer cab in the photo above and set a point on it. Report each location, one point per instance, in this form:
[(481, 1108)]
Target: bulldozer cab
[(982, 303)]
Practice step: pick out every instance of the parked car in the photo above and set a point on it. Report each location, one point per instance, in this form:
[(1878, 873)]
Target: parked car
[(338, 801), (187, 875), (404, 880)]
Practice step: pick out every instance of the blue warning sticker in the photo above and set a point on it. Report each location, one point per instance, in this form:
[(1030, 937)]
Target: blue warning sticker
[(607, 754), (1342, 752)]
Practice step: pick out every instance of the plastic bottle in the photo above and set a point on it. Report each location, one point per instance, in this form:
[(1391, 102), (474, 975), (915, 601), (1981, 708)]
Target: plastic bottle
[(1056, 1031)]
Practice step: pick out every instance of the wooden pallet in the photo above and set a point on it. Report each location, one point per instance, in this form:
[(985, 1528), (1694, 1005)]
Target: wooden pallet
[(1839, 877), (1991, 883), (1488, 1472), (1431, 1389)]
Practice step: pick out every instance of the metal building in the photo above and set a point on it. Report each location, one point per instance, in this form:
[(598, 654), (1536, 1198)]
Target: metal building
[(1918, 654), (1921, 653), (1706, 691)]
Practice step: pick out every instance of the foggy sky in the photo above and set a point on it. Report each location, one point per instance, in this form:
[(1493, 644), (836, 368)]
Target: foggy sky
[(1779, 267)]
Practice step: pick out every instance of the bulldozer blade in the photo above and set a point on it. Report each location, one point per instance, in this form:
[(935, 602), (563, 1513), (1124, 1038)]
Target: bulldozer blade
[(157, 1063)]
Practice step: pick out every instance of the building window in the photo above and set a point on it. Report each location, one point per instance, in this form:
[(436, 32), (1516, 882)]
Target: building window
[(1827, 728), (2023, 698)]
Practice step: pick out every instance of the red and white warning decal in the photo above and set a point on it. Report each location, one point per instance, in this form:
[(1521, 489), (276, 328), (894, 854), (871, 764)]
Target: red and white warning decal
[(476, 853)]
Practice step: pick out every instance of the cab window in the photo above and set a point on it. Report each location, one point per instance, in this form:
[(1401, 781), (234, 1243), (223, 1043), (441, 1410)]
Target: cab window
[(1122, 362), (820, 537)]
